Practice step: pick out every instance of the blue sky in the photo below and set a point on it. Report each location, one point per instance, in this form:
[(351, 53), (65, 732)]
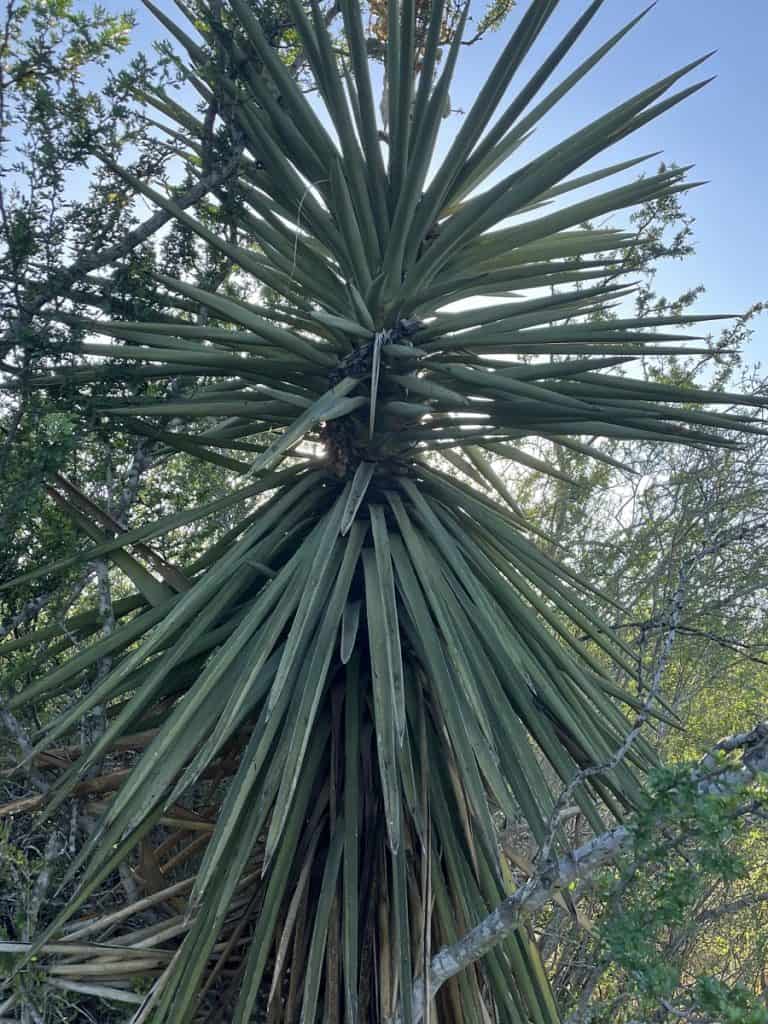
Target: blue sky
[(723, 130)]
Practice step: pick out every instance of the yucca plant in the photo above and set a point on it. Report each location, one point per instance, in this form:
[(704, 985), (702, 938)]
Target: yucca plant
[(380, 665)]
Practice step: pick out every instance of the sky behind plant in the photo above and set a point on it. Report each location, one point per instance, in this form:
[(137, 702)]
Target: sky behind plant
[(722, 130)]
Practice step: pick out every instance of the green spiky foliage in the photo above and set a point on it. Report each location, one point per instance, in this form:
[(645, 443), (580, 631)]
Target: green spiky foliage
[(380, 663)]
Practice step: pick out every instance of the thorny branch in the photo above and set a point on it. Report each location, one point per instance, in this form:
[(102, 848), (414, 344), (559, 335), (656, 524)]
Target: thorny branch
[(670, 622)]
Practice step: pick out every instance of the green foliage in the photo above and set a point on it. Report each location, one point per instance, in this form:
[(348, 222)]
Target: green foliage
[(42, 444), (372, 661), (685, 843), (731, 1003)]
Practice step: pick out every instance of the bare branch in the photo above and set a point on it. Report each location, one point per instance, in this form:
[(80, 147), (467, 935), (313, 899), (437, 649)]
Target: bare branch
[(579, 865)]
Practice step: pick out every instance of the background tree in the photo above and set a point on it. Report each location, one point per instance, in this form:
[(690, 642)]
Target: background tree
[(367, 548), (666, 529)]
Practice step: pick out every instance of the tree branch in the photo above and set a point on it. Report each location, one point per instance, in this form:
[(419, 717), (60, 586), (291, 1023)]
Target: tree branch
[(580, 864), (88, 262)]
